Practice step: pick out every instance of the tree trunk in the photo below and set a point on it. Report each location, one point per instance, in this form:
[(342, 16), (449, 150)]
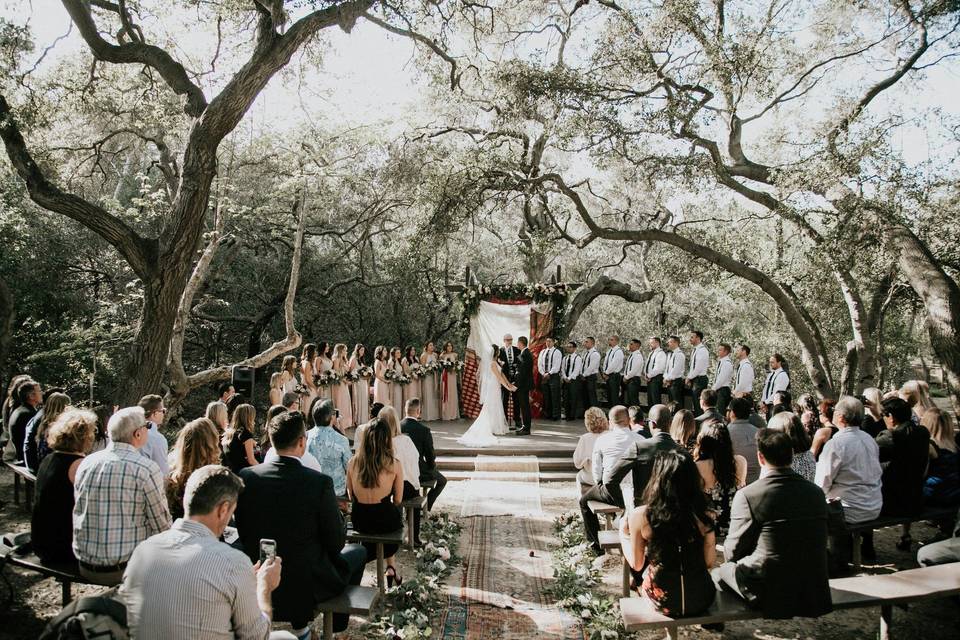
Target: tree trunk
[(7, 315)]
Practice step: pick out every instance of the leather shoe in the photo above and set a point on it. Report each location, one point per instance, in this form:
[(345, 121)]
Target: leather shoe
[(523, 432)]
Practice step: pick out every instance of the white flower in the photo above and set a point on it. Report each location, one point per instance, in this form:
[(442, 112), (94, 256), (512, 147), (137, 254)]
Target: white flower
[(609, 634), (444, 554), (585, 613), (438, 566), (583, 599)]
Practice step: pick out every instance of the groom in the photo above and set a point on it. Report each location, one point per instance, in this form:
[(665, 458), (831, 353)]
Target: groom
[(524, 383), (509, 359)]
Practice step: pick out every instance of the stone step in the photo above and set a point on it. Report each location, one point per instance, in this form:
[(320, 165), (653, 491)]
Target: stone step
[(466, 463), (545, 476), (556, 452)]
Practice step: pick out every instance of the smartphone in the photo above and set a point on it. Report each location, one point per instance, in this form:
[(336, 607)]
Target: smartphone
[(268, 549), (336, 412)]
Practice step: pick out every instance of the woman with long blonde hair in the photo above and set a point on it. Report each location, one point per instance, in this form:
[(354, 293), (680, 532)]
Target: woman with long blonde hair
[(218, 414), (276, 388), (942, 485), (35, 446), (917, 395), (239, 441), (341, 390), (197, 446)]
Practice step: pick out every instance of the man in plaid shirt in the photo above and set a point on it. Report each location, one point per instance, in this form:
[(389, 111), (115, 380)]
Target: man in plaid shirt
[(120, 500)]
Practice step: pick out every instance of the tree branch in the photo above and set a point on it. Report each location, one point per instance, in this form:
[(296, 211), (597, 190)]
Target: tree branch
[(603, 286)]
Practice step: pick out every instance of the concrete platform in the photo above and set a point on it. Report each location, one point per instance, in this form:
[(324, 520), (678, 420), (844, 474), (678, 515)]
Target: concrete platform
[(547, 439)]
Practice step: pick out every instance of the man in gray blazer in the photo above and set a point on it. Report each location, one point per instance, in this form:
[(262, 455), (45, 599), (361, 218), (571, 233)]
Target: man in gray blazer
[(776, 549)]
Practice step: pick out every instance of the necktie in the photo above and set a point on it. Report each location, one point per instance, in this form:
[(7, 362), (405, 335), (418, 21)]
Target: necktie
[(549, 359), (766, 393), (510, 355)]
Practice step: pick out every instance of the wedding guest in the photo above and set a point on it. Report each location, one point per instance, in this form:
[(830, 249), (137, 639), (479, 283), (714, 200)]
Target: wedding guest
[(722, 471), (612, 369), (284, 501), (803, 463), (942, 486), (654, 370), (743, 434), (361, 388), (743, 379), (904, 454), (225, 392), (308, 373), (596, 423), (638, 459), (276, 388), (306, 459), (375, 487), (943, 552), (827, 429), (381, 383), (409, 458), (341, 391), (548, 364), (198, 445), (683, 429), (707, 401), (776, 549), (10, 404), (591, 367), (755, 418), (238, 441), (696, 379), (29, 397), (607, 452), (156, 447), (777, 380), (101, 439), (292, 401), (806, 407), (782, 402), (375, 409), (659, 418), (234, 402), (449, 394), (638, 423), (35, 446), (422, 438), (917, 394), (184, 583), (396, 388), (873, 415), (430, 393), (673, 377), (217, 414), (633, 373), (104, 538), (723, 378), (288, 374), (321, 365), (51, 528), (672, 537), (330, 447)]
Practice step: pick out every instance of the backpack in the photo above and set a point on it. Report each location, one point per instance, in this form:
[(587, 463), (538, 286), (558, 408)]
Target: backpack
[(91, 618)]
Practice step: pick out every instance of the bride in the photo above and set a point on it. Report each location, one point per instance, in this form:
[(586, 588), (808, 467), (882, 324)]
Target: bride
[(491, 422)]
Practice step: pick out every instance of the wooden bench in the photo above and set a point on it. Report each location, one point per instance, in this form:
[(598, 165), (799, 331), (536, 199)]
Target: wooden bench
[(883, 591), (857, 530), (410, 508), (22, 474), (378, 539), (66, 573), (426, 486), (608, 511), (610, 540), (353, 601)]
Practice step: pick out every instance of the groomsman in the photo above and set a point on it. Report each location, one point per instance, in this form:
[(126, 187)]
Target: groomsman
[(591, 366), (777, 380), (744, 378), (548, 364), (571, 374), (673, 377), (723, 378), (653, 373), (699, 364), (612, 368), (633, 373)]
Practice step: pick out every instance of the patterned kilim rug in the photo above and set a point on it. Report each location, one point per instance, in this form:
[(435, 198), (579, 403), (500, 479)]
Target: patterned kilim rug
[(503, 485)]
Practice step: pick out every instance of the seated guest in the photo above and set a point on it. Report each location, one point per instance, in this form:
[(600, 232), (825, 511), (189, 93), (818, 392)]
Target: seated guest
[(826, 430), (942, 486), (807, 404), (743, 434), (329, 447), (755, 418), (658, 418), (708, 406), (184, 583), (104, 538), (217, 414), (291, 400), (422, 438), (198, 445), (51, 530), (238, 442), (873, 414), (672, 536), (375, 487), (943, 552), (405, 452), (35, 436), (776, 549), (782, 402), (596, 423), (607, 452), (803, 463), (638, 459), (226, 393), (375, 409), (30, 398), (849, 471), (916, 393), (284, 501), (102, 439), (637, 423), (156, 447), (683, 429), (904, 454), (10, 404), (722, 471)]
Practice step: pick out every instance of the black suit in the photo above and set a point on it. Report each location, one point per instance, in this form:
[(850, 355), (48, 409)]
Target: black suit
[(423, 439), (638, 460), (284, 501), (524, 383), (510, 373), (778, 540)]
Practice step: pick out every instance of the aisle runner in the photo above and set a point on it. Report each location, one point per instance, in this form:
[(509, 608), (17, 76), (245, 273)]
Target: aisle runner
[(503, 485), (501, 589)]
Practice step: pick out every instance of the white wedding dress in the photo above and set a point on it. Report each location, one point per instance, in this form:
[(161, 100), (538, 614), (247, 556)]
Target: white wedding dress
[(491, 422)]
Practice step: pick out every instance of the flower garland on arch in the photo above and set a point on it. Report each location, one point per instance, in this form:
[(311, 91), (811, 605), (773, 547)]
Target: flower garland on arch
[(539, 292)]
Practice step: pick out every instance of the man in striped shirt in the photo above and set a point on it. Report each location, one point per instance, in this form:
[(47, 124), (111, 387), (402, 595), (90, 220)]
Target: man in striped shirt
[(185, 583), (120, 500)]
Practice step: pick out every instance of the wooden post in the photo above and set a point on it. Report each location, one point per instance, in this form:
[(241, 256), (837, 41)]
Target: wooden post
[(380, 569), (857, 540), (558, 280), (626, 578), (327, 625)]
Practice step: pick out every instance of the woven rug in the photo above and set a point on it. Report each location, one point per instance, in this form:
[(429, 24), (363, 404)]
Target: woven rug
[(503, 485)]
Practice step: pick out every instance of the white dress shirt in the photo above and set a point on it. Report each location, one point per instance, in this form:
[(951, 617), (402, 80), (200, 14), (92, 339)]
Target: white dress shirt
[(656, 363), (724, 373), (849, 469), (634, 366), (572, 367), (676, 362), (607, 451), (613, 362), (549, 361), (744, 377), (777, 380), (591, 362), (699, 361)]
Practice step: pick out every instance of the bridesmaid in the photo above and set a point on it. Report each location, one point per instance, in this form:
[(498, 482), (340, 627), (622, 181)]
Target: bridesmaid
[(381, 386), (288, 375), (430, 402), (396, 389), (361, 388), (322, 365), (449, 396), (341, 390), (307, 372), (410, 366)]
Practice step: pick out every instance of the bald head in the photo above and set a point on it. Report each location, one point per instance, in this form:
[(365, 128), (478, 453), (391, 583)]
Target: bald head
[(620, 416)]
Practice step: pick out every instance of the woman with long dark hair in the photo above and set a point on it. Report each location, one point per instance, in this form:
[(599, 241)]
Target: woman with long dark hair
[(722, 471), (239, 441), (669, 542), (35, 442), (360, 393), (381, 384), (323, 364), (411, 366), (307, 372), (449, 395), (683, 429)]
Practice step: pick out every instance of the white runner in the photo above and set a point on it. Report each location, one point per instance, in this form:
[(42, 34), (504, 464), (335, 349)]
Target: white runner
[(503, 486)]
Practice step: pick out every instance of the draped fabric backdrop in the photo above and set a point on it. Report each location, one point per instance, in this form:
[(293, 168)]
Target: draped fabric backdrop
[(492, 320)]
